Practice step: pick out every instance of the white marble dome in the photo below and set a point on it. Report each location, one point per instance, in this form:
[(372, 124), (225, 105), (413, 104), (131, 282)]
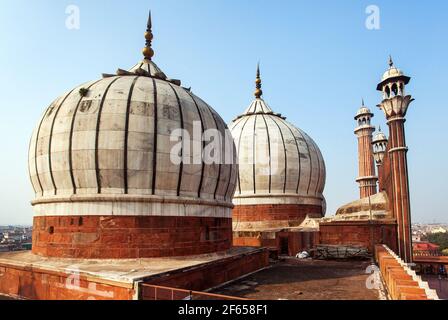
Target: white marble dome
[(363, 111), (392, 72), (278, 162), (103, 148)]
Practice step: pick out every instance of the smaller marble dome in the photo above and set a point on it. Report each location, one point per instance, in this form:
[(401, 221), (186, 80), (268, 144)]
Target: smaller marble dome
[(379, 136), (278, 162), (379, 143), (391, 73), (363, 111), (363, 117)]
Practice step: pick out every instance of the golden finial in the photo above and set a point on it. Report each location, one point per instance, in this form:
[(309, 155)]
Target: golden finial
[(258, 92), (147, 51)]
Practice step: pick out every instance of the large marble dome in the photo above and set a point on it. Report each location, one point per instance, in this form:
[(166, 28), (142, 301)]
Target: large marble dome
[(281, 169), (106, 187)]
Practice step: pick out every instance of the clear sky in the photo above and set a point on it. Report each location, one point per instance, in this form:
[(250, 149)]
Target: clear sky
[(318, 60)]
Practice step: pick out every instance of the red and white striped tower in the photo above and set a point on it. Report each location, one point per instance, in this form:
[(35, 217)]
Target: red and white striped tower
[(395, 105), (367, 178)]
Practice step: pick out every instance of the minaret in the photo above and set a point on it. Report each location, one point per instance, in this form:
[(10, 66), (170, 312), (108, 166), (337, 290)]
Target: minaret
[(395, 105), (379, 144), (366, 178)]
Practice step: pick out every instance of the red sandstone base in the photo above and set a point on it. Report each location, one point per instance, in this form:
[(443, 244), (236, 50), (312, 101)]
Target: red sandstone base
[(25, 275), (271, 212), (122, 237)]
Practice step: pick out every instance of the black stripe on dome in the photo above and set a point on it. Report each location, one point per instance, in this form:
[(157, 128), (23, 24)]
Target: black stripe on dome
[(286, 155), (220, 162), (298, 155), (30, 143), (181, 166), (234, 124), (231, 166), (318, 170), (50, 141), (316, 149), (253, 153), (70, 139), (311, 162), (239, 145), (126, 137), (269, 148), (97, 135), (203, 142), (154, 153), (213, 114), (36, 147)]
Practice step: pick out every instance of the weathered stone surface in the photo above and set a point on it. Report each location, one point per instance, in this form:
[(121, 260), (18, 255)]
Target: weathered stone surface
[(278, 163), (107, 237)]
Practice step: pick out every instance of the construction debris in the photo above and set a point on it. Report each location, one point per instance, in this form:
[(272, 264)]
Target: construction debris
[(325, 252)]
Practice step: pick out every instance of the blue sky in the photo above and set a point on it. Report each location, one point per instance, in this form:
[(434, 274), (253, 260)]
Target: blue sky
[(317, 57)]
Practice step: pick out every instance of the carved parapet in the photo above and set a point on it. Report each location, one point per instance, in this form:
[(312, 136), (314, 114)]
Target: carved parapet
[(396, 106)]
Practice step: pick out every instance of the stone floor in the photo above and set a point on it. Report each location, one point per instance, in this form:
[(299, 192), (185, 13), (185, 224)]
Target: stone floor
[(293, 279), (439, 284), (117, 270)]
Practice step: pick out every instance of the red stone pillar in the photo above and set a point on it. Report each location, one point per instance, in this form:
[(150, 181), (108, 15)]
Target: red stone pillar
[(400, 183), (395, 105)]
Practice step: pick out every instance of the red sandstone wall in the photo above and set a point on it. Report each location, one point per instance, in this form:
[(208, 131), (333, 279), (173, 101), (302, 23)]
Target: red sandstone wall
[(386, 179), (249, 242), (112, 237), (269, 212), (358, 233), (211, 275), (32, 283), (46, 285), (297, 241)]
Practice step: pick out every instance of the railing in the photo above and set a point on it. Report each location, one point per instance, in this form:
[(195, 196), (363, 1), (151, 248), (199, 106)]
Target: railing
[(153, 292), (427, 253), (401, 282)]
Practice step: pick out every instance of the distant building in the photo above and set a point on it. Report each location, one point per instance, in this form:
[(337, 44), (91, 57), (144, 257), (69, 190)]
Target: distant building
[(438, 230), (425, 248)]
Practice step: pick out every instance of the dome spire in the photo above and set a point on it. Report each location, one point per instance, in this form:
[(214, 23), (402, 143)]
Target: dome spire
[(147, 51), (391, 62), (363, 102), (258, 92)]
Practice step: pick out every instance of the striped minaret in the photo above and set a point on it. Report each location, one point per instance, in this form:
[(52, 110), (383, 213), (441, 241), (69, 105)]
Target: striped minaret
[(364, 130), (395, 105)]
